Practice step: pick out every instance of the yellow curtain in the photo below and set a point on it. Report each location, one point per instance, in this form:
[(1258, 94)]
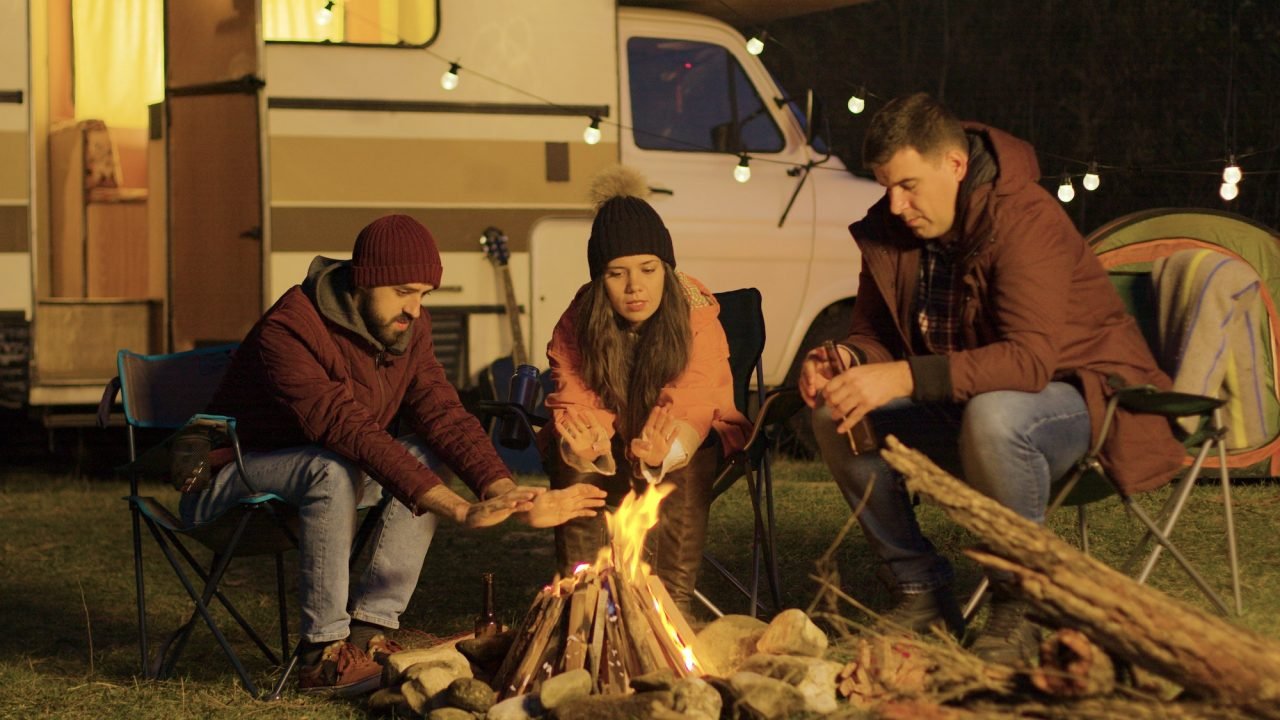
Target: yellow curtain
[(119, 59)]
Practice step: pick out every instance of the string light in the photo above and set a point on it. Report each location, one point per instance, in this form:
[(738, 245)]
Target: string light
[(1091, 179), (591, 135), (755, 45), (325, 14), (1228, 191), (742, 172), (1066, 191), (449, 80), (1231, 174), (858, 101)]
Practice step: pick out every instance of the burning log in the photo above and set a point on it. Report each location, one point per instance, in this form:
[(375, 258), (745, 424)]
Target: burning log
[(613, 618)]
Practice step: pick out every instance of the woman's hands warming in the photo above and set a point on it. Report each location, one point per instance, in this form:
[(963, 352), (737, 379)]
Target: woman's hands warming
[(583, 434), (655, 439)]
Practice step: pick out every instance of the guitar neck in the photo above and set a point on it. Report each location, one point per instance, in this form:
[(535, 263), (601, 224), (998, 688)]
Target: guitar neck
[(518, 353)]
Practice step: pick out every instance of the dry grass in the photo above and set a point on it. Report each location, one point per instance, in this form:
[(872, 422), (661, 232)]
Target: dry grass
[(69, 646)]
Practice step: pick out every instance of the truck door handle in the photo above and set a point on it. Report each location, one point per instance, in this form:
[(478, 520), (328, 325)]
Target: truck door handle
[(661, 190)]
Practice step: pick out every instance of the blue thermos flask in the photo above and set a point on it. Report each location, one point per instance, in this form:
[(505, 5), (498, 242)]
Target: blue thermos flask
[(523, 391)]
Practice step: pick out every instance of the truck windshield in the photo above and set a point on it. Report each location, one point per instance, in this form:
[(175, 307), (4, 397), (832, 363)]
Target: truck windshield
[(694, 97)]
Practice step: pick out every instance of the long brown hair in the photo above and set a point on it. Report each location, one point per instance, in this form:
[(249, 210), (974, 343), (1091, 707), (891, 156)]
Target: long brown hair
[(628, 367)]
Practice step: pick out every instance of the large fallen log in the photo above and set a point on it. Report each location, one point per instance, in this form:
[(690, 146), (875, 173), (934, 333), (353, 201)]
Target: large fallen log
[(1206, 655)]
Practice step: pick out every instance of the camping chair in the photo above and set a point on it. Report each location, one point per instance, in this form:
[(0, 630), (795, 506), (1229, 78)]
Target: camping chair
[(169, 392), (742, 317), (1087, 482)]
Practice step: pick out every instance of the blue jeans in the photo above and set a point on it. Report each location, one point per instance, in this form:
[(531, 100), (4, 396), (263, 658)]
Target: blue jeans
[(327, 490), (1009, 445)]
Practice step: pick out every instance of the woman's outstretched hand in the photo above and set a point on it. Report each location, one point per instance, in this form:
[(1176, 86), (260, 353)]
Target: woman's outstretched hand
[(584, 435), (656, 437)]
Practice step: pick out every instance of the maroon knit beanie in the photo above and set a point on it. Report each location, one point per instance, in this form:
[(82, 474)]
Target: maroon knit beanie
[(394, 250), (626, 225)]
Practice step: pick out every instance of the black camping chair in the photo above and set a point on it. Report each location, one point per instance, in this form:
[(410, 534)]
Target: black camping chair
[(1088, 482), (170, 392), (742, 316)]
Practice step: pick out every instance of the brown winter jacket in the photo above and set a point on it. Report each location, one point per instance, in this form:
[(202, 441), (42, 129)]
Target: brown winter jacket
[(1036, 306), (309, 373)]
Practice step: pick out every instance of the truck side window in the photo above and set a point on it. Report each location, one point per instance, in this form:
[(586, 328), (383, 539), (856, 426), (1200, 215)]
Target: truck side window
[(695, 97)]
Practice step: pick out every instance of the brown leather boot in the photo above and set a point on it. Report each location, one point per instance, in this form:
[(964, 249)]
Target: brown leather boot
[(578, 540), (676, 542)]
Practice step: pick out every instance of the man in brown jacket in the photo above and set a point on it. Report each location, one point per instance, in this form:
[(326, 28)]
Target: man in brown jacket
[(983, 335), (315, 387)]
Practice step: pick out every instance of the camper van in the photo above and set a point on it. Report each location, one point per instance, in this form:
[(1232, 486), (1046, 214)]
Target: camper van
[(263, 133)]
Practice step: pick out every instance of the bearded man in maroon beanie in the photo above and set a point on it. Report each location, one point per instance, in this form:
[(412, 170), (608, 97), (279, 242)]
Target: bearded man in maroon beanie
[(314, 389)]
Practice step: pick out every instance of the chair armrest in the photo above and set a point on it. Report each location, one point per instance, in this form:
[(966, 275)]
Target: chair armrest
[(1150, 401)]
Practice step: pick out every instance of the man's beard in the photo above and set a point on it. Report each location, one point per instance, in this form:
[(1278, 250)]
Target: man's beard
[(384, 332)]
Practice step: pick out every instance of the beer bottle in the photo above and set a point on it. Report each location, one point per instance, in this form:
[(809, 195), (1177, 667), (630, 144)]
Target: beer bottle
[(487, 622), (862, 437)]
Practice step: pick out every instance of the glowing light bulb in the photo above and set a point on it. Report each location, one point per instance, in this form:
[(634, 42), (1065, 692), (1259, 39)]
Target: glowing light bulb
[(1091, 181), (325, 14), (592, 134), (1231, 174), (1229, 191), (1066, 191), (858, 102), (449, 80), (755, 45), (742, 172)]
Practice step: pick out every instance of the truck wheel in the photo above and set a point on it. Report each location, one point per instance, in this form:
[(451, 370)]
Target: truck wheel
[(795, 439)]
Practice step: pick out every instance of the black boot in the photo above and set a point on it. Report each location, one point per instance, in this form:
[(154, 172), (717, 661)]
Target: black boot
[(921, 612), (1009, 637)]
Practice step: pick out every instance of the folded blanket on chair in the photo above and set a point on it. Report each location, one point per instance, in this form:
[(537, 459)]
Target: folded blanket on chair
[(1213, 339)]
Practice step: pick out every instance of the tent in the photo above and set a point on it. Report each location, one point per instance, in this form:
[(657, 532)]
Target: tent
[(1129, 247)]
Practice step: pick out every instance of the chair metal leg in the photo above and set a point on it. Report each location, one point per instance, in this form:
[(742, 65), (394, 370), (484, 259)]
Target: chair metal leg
[(1160, 537), (976, 598), (1169, 514), (771, 547), (140, 588), (284, 606), (1229, 517), (1082, 526), (284, 677), (203, 610)]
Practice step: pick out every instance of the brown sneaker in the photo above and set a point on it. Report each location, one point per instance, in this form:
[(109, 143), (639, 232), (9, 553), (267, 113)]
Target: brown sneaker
[(381, 648), (344, 670)]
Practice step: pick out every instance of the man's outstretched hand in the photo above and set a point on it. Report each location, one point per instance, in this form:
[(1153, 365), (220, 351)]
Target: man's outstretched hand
[(555, 507)]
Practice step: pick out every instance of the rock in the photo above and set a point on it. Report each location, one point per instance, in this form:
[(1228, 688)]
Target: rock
[(441, 655), (765, 696), (793, 633), (663, 679), (384, 701), (696, 698), (487, 651), (815, 678), (469, 694), (637, 706), (565, 687), (520, 707), (722, 646), (418, 702), (430, 680), (449, 713)]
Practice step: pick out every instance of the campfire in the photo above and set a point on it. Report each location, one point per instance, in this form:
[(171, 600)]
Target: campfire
[(613, 617)]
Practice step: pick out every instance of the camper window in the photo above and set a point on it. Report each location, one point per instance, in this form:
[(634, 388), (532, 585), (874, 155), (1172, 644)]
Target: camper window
[(359, 22), (695, 97)]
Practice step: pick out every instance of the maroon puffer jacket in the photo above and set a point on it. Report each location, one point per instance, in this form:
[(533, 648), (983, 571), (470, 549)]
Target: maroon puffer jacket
[(299, 378)]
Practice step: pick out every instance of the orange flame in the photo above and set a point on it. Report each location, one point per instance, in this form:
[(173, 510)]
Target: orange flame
[(628, 526)]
